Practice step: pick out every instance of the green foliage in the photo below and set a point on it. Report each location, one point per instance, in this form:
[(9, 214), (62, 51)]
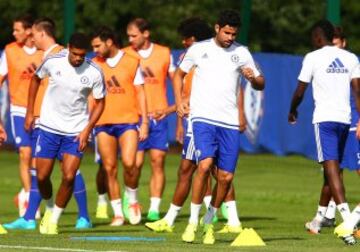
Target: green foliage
[(276, 26)]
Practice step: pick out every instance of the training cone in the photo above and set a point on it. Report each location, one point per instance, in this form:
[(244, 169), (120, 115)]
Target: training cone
[(2, 230), (248, 237)]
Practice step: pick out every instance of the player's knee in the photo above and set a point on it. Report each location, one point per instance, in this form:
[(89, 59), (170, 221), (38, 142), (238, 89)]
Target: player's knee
[(203, 169), (225, 178), (68, 178), (128, 163), (111, 173), (25, 153), (42, 177), (185, 173)]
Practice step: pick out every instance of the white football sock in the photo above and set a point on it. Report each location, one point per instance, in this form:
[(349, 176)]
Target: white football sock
[(194, 213), (171, 214)]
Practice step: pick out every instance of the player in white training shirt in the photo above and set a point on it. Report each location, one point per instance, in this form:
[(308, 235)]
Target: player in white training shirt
[(65, 124), (214, 112), (330, 69)]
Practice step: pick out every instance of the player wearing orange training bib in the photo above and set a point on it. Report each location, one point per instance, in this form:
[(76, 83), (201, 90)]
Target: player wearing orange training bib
[(19, 61), (156, 65), (117, 127)]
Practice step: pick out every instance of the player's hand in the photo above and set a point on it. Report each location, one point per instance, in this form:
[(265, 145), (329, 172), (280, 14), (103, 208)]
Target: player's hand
[(183, 109), (242, 122), (358, 130), (29, 122), (83, 139), (248, 73), (179, 134), (3, 135), (159, 114), (143, 131), (292, 117)]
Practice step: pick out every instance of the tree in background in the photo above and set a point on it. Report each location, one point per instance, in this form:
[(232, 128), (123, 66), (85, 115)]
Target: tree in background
[(276, 26)]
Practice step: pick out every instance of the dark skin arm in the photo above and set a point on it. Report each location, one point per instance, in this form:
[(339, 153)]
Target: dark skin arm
[(355, 84), (97, 110), (3, 135), (182, 107), (296, 100)]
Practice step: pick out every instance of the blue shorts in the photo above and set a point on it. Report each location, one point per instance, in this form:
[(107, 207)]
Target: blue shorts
[(188, 150), (158, 136), (217, 142), (351, 158), (115, 130), (50, 145), (34, 136), (21, 136), (330, 140)]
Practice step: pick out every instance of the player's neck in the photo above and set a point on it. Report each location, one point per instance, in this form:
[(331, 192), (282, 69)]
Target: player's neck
[(146, 45), (49, 43), (29, 43), (113, 52)]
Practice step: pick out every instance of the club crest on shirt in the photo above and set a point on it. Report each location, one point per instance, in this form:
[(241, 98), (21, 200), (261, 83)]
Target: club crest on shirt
[(84, 80), (235, 58), (254, 111)]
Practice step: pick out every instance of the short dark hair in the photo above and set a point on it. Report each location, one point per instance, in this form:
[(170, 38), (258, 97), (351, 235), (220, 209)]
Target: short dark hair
[(339, 33), (229, 17), (47, 25), (79, 40), (326, 27), (26, 20), (141, 23), (105, 33), (195, 27)]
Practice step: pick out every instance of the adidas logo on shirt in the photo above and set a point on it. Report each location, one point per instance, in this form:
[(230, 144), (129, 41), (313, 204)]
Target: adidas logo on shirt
[(205, 56), (337, 66)]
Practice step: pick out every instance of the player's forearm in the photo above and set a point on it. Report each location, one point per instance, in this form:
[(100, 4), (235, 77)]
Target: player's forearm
[(2, 79), (258, 83), (33, 89), (355, 85), (170, 109), (298, 96), (98, 108), (177, 85), (140, 92)]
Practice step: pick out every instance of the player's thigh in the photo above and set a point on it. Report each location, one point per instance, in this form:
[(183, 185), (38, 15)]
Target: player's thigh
[(229, 149), (204, 135), (157, 158), (70, 164), (44, 167), (108, 148), (128, 143)]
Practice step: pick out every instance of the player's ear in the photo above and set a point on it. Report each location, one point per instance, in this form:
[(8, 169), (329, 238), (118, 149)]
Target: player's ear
[(109, 42), (217, 28), (28, 31), (146, 33)]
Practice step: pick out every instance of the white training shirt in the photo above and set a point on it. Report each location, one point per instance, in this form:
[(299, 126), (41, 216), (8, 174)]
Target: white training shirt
[(112, 62), (330, 69), (64, 109), (215, 83)]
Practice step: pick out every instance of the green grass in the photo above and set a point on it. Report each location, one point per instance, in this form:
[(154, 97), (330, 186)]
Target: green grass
[(275, 196)]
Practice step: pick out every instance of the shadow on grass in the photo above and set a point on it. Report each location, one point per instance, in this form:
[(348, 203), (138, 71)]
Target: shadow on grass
[(283, 239)]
